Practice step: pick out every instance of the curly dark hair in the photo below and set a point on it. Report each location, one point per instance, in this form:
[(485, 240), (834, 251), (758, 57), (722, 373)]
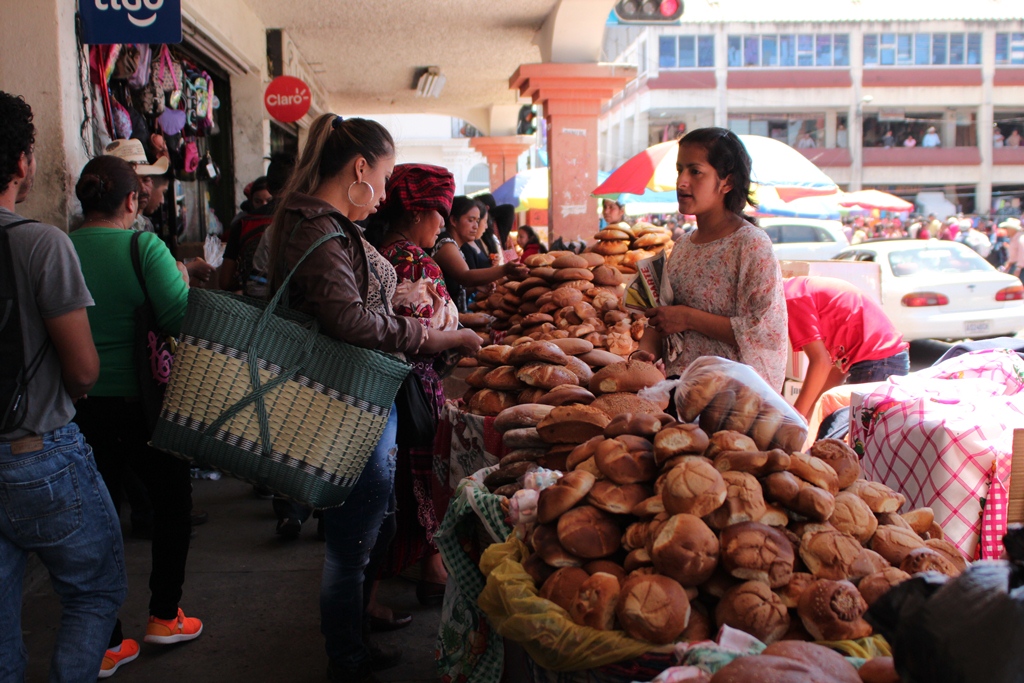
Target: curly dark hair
[(17, 135)]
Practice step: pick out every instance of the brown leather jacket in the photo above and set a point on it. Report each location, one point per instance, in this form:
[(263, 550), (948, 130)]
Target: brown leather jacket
[(332, 283)]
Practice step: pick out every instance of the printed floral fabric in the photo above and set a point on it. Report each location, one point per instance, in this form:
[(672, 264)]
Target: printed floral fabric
[(737, 277), (421, 291)]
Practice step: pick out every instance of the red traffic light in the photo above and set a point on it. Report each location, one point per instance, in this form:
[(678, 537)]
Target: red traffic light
[(649, 11)]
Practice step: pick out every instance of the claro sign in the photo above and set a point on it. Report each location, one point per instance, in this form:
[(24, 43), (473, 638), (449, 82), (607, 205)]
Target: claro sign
[(287, 99), (109, 22)]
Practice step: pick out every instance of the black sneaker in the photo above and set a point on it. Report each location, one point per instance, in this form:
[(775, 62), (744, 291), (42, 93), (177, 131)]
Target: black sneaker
[(289, 528)]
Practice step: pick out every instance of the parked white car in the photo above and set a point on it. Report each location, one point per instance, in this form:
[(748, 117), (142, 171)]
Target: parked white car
[(942, 290), (804, 239)]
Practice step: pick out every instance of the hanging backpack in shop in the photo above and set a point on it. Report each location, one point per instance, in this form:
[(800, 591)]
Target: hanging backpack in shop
[(14, 377)]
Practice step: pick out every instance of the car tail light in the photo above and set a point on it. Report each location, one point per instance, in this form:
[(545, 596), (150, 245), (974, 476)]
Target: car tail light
[(1014, 293), (918, 299)]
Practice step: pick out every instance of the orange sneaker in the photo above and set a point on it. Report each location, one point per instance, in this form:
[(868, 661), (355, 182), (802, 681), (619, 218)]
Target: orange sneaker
[(177, 630), (112, 661)]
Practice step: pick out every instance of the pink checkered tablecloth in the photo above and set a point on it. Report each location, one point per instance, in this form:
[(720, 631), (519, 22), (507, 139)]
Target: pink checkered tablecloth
[(943, 438)]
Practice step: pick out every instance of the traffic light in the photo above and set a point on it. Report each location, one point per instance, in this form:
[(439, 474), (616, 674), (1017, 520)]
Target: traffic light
[(649, 11)]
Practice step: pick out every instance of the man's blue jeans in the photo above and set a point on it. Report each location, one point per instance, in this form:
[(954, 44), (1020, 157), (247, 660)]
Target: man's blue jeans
[(877, 370), (354, 532), (54, 503)]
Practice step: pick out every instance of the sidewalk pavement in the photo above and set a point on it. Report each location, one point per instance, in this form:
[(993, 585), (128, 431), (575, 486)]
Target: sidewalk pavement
[(258, 598)]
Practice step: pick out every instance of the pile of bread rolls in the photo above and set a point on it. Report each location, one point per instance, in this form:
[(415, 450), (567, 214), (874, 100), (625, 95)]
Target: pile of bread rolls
[(479, 323), (662, 531), (564, 296), (623, 245), (542, 433)]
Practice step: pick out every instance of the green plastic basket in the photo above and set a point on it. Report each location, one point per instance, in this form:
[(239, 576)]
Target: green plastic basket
[(301, 420)]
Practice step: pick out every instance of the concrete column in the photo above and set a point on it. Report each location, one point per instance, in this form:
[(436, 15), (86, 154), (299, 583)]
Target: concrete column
[(949, 128), (39, 61), (502, 153), (250, 128), (721, 77), (855, 125), (830, 128), (572, 95), (985, 120)]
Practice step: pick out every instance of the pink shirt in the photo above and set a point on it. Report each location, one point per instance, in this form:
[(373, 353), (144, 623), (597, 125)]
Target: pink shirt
[(853, 328)]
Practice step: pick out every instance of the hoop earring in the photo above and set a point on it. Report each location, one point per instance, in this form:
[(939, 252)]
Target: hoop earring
[(354, 202)]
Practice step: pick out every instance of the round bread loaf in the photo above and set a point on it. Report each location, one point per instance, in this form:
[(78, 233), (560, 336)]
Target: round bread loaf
[(573, 347), (712, 418), (767, 423), (653, 608), (926, 559), (685, 549), (637, 559), (814, 471), (489, 402), (537, 352), (833, 610), (627, 376), (477, 379), (563, 586), (580, 369), (828, 661), (616, 499), (895, 543), (612, 233), (589, 533), (841, 457), (791, 592), (606, 566), (525, 437), (757, 463), (725, 440), (829, 554), (495, 354), (853, 516), (949, 551), (753, 607), (545, 375), (615, 404), (679, 439), (596, 601), (621, 465), (607, 276), (874, 586), (649, 507), (475, 320), (569, 261), (566, 395), (503, 378), (521, 416), (539, 570), (599, 358), (879, 497), (643, 425), (584, 451), (769, 669), (755, 552), (570, 274), (611, 247), (920, 520), (535, 260), (693, 487), (593, 260), (744, 501), (561, 496), (867, 562), (774, 515), (572, 424)]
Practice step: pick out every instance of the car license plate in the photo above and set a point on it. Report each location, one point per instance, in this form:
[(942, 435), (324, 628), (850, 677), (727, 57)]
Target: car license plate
[(976, 327)]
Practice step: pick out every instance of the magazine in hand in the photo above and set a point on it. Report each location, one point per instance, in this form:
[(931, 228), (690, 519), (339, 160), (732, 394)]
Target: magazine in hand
[(643, 292)]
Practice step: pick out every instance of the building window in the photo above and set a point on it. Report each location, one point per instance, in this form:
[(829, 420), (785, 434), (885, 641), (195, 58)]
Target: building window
[(1009, 48), (686, 52), (926, 49), (798, 130), (799, 50)]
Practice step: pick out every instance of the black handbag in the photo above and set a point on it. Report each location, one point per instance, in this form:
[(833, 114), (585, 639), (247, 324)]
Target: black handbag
[(154, 351), (416, 423)]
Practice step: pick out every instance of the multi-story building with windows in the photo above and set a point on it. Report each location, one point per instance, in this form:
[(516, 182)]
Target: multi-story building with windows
[(875, 93)]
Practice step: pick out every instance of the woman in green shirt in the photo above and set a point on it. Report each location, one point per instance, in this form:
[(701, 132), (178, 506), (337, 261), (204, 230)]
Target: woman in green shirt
[(112, 417)]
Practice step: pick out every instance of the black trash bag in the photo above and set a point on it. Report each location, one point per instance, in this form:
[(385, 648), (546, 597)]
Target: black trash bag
[(964, 630)]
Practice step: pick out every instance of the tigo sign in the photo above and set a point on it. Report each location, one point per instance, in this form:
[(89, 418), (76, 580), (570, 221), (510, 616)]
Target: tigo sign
[(108, 22), (287, 99)]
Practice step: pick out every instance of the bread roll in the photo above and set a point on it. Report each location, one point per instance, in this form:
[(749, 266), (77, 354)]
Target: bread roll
[(643, 425), (767, 423), (814, 471), (728, 441), (618, 500), (573, 347), (790, 436), (638, 558), (833, 610), (755, 552), (539, 570), (558, 498), (693, 487), (949, 551), (874, 586), (799, 496), (489, 402), (521, 455), (566, 296), (589, 533), (545, 375), (508, 490), (537, 352), (580, 369), (649, 507), (829, 554), (527, 437), (744, 501), (569, 261), (611, 247), (496, 354), (679, 439), (622, 466), (626, 376), (774, 515), (596, 601), (637, 535), (853, 516), (552, 552), (572, 424), (867, 562), (599, 358), (828, 661), (757, 463), (606, 566), (535, 260), (685, 549), (563, 586), (712, 418), (583, 451), (567, 395), (791, 592), (768, 669), (477, 378), (475, 320), (879, 497), (521, 416), (653, 608), (531, 395), (752, 607), (893, 519), (928, 560), (895, 543), (745, 410), (920, 520), (841, 457)]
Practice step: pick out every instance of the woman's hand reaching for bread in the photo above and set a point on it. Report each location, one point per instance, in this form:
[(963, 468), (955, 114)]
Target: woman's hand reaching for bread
[(514, 269), (669, 319), (471, 342)]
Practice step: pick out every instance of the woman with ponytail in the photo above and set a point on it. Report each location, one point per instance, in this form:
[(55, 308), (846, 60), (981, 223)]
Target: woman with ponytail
[(340, 178)]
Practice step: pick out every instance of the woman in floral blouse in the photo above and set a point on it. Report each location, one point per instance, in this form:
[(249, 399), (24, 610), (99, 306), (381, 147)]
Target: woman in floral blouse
[(419, 198), (722, 287)]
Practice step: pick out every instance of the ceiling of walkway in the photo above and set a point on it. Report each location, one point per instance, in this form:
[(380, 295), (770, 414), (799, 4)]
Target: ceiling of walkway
[(367, 52)]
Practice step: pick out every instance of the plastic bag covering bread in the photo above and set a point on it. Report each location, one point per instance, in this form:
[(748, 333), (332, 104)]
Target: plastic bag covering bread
[(728, 396), (544, 629)]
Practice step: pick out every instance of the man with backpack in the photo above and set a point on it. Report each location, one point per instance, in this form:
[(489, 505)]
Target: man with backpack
[(52, 499)]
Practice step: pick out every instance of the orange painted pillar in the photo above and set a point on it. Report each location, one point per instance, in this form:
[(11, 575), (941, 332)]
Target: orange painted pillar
[(572, 95), (502, 154)]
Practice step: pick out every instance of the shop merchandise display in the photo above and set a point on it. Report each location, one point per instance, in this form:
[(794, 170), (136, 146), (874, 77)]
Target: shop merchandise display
[(623, 245)]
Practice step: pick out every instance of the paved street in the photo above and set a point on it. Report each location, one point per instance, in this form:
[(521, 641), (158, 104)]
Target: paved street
[(257, 596)]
